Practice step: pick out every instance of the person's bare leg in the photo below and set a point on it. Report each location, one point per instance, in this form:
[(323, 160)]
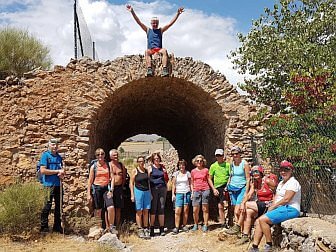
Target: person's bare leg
[(258, 234), (164, 53), (145, 217), (178, 211), (148, 58), (185, 214), (110, 215), (138, 218), (205, 209), (221, 212), (196, 214), (265, 224)]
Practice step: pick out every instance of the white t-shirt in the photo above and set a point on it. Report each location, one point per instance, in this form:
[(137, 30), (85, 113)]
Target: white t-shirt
[(293, 185), (182, 182)]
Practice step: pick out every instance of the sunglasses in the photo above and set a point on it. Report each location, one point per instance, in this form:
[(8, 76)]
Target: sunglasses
[(100, 154), (141, 161), (255, 172), (285, 169), (199, 161), (235, 153), (219, 155)]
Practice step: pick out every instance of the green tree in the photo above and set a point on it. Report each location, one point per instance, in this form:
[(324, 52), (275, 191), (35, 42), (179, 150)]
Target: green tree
[(295, 36), (20, 52)]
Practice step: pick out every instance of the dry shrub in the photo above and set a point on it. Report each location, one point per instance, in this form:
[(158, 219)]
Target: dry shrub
[(20, 207)]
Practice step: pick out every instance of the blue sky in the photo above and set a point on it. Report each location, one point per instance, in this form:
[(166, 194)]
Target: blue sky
[(241, 10), (206, 31)]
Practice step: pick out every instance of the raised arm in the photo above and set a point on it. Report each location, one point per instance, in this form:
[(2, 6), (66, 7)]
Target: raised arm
[(130, 9), (178, 13)]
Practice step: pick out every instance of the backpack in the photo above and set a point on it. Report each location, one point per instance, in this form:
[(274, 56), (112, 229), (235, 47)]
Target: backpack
[(39, 175), (94, 163)]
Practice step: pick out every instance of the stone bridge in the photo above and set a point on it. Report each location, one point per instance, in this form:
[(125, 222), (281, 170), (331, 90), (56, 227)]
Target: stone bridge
[(89, 104)]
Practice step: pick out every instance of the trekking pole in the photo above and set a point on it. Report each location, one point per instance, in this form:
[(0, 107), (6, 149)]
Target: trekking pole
[(61, 199), (61, 206)]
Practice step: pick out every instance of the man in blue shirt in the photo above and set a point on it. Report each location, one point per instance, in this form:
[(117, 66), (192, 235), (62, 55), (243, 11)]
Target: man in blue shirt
[(52, 172), (154, 39)]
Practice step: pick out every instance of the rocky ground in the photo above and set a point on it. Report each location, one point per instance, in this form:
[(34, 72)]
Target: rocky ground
[(191, 241)]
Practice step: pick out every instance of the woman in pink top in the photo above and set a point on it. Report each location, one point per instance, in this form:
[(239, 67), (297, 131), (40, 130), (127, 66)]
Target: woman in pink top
[(200, 191)]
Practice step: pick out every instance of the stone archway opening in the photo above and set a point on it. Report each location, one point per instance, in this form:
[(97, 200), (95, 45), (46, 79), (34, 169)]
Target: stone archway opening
[(184, 113)]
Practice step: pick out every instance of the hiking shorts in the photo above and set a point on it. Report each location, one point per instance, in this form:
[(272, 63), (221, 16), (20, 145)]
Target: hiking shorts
[(158, 200), (108, 200), (237, 197), (142, 199), (182, 199), (223, 195), (98, 195), (118, 196), (201, 197), (262, 208), (282, 213)]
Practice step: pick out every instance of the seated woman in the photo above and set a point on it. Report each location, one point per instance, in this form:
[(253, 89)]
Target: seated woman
[(286, 206), (181, 195), (257, 200)]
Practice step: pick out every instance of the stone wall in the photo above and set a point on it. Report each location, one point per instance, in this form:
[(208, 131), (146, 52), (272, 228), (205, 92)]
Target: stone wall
[(308, 235), (89, 104)]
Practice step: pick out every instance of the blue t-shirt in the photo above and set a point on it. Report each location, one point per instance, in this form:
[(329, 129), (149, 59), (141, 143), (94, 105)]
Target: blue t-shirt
[(51, 162), (154, 38)]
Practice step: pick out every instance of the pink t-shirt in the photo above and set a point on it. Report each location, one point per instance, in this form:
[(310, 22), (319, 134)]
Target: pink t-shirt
[(200, 179)]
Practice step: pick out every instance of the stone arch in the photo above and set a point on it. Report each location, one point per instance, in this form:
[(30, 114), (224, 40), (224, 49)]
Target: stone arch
[(89, 104)]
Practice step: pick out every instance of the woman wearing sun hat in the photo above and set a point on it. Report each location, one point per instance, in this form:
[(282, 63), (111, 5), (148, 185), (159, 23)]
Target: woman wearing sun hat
[(258, 199), (286, 206)]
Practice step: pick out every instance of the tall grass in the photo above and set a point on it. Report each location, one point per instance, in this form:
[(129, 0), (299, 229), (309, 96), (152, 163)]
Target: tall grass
[(20, 207)]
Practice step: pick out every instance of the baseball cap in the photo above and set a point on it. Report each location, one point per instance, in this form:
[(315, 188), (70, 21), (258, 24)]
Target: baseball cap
[(219, 152), (285, 163), (53, 141)]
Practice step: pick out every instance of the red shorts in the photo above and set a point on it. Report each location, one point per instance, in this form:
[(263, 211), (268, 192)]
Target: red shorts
[(154, 50)]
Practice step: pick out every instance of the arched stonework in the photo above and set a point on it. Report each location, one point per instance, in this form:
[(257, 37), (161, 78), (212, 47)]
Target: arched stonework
[(88, 104)]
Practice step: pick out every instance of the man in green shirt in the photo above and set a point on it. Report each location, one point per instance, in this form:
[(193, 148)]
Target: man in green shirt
[(220, 172)]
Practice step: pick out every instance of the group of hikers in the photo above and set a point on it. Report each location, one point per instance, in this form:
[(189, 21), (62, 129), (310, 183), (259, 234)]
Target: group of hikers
[(254, 194)]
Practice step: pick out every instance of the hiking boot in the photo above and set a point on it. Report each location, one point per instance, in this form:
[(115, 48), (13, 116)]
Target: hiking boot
[(244, 239), (185, 229), (113, 230), (205, 228), (147, 234), (149, 72), (162, 232), (165, 72), (233, 230), (252, 249), (151, 231), (268, 248), (195, 227), (175, 231), (141, 233)]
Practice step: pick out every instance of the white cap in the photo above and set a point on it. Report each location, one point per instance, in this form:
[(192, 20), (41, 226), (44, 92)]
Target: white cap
[(219, 152)]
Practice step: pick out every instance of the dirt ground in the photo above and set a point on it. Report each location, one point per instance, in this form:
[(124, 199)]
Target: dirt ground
[(191, 241)]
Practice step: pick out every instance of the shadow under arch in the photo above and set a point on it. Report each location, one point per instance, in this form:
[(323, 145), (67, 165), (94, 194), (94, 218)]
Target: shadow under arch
[(181, 111)]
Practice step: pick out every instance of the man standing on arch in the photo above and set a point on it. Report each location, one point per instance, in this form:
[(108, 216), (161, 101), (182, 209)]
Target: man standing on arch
[(154, 39)]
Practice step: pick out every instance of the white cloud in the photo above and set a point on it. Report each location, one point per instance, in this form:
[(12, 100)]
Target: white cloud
[(195, 34)]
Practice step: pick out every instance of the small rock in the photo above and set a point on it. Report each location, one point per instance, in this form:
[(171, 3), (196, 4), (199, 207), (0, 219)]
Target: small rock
[(95, 232), (111, 240)]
